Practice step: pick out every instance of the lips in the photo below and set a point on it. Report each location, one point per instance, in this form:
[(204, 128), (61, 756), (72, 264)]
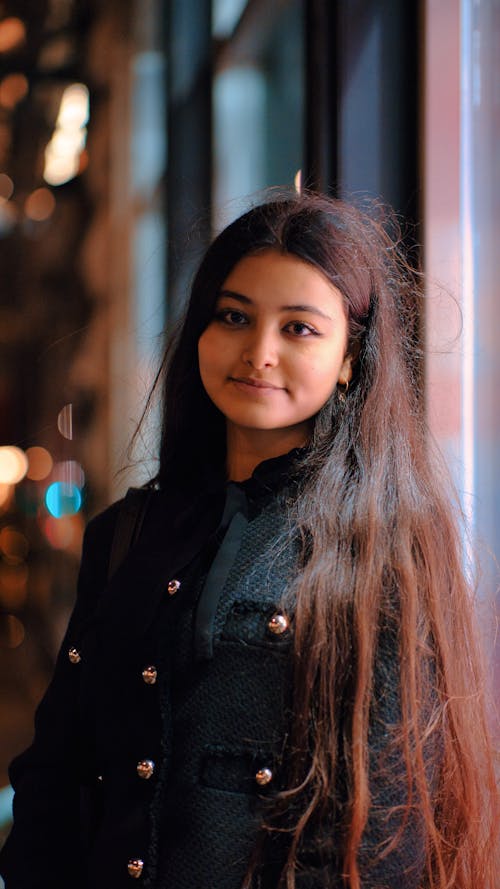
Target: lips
[(255, 383)]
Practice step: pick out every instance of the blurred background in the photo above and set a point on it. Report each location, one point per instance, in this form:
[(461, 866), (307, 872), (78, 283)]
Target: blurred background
[(130, 132)]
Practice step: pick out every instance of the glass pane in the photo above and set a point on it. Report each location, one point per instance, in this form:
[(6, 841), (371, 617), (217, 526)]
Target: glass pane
[(258, 109), (462, 222)]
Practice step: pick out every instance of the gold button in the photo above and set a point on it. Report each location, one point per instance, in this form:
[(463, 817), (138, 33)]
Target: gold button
[(173, 586), (278, 624), (263, 777), (150, 674), (74, 656), (135, 867), (145, 768)]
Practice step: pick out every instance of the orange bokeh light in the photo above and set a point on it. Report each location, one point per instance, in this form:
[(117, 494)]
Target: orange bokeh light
[(14, 545), (64, 533), (13, 585), (40, 204), (11, 631), (6, 187), (39, 463), (13, 89), (12, 33)]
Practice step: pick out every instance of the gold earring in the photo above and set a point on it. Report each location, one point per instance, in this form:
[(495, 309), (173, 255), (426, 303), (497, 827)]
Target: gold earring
[(342, 387)]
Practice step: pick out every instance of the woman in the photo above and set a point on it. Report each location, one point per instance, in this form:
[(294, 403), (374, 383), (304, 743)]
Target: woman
[(277, 684)]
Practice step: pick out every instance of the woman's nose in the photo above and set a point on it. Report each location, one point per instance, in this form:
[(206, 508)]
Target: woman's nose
[(260, 350)]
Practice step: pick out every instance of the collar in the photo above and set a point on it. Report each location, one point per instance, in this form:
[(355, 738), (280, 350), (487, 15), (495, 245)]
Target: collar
[(272, 477)]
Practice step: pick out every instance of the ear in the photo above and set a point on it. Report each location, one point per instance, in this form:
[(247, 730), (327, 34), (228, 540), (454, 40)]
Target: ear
[(345, 373)]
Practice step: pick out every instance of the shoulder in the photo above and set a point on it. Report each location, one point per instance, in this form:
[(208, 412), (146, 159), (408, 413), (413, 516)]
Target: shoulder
[(100, 529), (111, 533), (96, 550)]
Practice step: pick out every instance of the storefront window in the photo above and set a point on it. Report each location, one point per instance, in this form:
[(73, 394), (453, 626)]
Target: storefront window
[(462, 221)]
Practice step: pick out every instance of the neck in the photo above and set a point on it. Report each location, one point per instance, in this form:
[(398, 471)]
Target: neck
[(246, 448)]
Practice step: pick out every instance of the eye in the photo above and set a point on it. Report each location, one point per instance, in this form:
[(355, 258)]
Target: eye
[(300, 329), (231, 317)]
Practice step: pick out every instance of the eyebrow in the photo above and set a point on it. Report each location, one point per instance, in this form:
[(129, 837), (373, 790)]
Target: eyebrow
[(302, 307)]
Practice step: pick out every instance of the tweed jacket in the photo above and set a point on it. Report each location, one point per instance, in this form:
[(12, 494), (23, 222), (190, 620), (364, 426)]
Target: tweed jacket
[(161, 735)]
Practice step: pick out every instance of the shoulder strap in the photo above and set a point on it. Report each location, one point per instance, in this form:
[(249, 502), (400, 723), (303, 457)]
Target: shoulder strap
[(128, 525)]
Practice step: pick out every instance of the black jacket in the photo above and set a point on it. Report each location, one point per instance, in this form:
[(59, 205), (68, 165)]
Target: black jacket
[(161, 734)]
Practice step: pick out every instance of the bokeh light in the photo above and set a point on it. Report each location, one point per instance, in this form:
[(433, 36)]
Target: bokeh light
[(65, 421), (62, 499), (59, 168), (13, 464), (13, 89), (5, 140), (6, 187), (40, 204), (70, 472), (39, 463), (14, 545), (5, 494), (74, 108), (62, 154), (11, 631), (64, 533), (13, 585), (12, 33), (8, 218)]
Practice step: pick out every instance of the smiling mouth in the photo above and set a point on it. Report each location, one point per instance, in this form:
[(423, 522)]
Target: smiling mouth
[(255, 384)]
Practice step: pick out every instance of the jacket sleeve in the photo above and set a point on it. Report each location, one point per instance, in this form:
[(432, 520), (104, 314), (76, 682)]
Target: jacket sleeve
[(43, 848)]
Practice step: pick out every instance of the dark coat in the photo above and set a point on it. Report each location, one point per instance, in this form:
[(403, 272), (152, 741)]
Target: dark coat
[(155, 768)]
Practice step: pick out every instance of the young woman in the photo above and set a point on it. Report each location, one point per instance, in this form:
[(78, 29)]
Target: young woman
[(277, 684)]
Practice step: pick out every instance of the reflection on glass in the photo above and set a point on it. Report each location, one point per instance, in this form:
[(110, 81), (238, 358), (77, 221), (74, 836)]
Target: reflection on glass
[(70, 472), (65, 421)]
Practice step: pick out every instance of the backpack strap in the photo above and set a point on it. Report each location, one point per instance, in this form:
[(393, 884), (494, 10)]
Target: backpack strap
[(128, 525)]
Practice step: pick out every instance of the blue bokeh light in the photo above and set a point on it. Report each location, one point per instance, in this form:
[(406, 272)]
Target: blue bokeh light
[(63, 499)]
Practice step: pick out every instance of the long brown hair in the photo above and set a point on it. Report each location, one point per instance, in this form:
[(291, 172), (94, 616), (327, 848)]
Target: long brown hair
[(381, 568)]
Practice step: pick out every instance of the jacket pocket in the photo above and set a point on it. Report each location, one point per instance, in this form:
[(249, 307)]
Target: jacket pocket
[(252, 772), (262, 623)]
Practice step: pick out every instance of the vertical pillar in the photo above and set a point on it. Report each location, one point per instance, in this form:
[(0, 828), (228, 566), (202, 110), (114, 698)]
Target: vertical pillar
[(188, 41), (322, 96)]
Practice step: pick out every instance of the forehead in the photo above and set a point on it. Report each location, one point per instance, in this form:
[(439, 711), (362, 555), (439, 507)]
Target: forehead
[(272, 275)]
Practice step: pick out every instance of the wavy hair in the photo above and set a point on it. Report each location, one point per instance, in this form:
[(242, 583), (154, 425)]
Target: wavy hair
[(382, 561)]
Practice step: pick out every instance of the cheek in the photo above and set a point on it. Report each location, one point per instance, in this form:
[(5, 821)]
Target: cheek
[(211, 361), (205, 352), (322, 369)]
